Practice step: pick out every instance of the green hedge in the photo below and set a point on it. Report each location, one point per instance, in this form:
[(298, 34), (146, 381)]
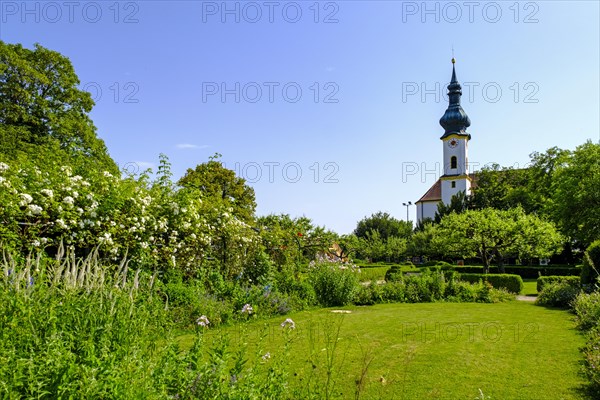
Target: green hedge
[(544, 281), (510, 282), (522, 271)]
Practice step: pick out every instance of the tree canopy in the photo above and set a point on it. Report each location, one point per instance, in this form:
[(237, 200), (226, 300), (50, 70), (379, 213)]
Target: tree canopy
[(385, 225), (42, 111), (221, 184), (576, 194), (492, 235)]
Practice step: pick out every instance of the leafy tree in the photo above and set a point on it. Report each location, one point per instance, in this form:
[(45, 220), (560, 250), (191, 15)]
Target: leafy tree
[(504, 188), (576, 194), (221, 184), (385, 225), (293, 241), (43, 113), (458, 203), (492, 235)]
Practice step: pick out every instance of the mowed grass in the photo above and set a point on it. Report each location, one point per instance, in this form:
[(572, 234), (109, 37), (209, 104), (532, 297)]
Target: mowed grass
[(530, 287), (510, 350), (373, 274)]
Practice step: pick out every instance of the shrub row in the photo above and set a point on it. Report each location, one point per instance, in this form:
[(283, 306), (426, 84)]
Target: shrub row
[(544, 281), (512, 283), (523, 272), (428, 287)]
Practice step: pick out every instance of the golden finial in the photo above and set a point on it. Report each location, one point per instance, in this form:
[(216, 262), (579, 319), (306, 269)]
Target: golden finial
[(453, 60)]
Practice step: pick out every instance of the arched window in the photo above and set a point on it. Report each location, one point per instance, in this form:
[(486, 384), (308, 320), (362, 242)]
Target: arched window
[(453, 162)]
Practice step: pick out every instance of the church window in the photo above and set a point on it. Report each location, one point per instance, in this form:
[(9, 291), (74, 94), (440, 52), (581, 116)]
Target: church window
[(453, 162), (453, 184)]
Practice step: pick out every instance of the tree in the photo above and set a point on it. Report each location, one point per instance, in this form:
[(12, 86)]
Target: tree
[(492, 235), (576, 194), (293, 241), (385, 225), (42, 111), (458, 203), (221, 184), (504, 188)]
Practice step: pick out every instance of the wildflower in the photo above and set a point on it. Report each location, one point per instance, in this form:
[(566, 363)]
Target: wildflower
[(33, 209), (36, 243), (61, 224), (288, 323), (25, 199), (47, 193), (266, 356), (69, 200), (107, 174), (203, 321), (105, 239), (3, 167), (247, 309), (76, 178)]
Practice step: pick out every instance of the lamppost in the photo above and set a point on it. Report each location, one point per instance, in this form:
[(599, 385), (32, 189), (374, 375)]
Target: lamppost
[(407, 205)]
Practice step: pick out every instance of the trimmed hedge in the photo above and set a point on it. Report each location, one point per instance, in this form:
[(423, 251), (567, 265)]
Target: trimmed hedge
[(544, 281), (510, 282), (522, 271)]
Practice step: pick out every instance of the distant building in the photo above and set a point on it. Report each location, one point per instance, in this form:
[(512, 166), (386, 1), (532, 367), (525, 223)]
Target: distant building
[(455, 142)]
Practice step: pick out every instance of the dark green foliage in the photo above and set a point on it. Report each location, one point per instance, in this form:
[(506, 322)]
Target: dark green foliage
[(385, 225), (591, 264), (560, 294), (512, 283), (43, 113), (524, 272), (543, 281)]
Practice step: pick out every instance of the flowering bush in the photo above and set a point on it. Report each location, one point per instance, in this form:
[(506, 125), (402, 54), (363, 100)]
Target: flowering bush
[(155, 224)]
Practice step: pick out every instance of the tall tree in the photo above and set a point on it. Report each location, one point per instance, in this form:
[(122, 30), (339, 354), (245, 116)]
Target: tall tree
[(576, 194), (42, 111), (221, 184), (385, 225)]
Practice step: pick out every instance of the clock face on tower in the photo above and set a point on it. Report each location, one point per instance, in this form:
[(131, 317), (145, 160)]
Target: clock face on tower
[(452, 143)]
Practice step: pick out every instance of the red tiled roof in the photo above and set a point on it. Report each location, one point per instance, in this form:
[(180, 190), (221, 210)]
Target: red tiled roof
[(435, 191), (433, 194)]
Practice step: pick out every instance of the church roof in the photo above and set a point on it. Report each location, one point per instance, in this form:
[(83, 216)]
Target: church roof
[(434, 194), (455, 120)]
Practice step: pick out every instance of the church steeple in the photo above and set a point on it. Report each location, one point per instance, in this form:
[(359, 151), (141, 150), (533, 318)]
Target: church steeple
[(455, 120)]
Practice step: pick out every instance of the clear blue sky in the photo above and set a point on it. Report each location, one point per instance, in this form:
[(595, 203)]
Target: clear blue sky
[(364, 131)]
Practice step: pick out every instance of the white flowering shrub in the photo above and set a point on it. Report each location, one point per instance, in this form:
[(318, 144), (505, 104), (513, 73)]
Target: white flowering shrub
[(152, 222)]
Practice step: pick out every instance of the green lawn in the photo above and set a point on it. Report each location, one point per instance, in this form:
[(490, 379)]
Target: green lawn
[(373, 274), (530, 287), (510, 350)]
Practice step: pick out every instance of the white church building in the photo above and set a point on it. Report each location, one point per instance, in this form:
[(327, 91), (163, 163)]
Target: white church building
[(455, 142)]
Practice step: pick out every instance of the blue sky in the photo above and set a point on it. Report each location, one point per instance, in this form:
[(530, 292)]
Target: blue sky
[(329, 109)]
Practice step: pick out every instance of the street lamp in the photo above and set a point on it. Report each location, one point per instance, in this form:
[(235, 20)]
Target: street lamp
[(407, 205)]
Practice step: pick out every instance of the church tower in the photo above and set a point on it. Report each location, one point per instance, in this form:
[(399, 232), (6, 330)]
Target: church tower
[(455, 142)]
